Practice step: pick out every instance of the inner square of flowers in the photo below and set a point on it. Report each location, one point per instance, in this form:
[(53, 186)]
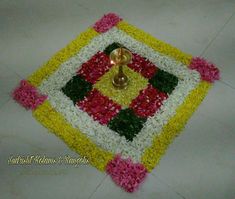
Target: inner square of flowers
[(123, 110), (108, 101)]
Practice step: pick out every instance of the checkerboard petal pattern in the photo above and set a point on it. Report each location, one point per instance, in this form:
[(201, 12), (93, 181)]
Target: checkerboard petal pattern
[(122, 132)]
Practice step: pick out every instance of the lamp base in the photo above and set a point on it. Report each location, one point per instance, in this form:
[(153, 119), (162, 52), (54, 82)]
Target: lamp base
[(120, 81)]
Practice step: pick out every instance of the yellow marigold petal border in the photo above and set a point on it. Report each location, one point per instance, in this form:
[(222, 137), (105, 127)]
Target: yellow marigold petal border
[(153, 154), (61, 56), (76, 140), (154, 43)]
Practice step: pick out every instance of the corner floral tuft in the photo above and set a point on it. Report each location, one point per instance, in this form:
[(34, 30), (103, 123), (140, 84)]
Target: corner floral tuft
[(209, 72), (106, 22), (125, 173), (28, 96)]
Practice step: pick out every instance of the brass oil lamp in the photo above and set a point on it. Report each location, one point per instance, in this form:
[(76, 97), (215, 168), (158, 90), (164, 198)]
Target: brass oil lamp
[(120, 57)]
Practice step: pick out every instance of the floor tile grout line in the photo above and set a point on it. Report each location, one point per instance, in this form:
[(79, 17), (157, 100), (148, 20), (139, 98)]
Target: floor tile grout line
[(83, 6), (19, 75), (217, 34), (183, 197), (227, 84), (97, 187)]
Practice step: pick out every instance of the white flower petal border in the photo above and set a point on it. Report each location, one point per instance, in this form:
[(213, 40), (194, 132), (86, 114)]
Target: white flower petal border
[(102, 135)]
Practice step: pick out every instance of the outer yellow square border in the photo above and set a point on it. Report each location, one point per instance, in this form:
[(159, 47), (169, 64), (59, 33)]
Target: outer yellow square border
[(76, 140)]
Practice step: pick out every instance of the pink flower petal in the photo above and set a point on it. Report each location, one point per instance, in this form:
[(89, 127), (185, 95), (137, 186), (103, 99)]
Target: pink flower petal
[(125, 173), (148, 101), (208, 71), (28, 96), (143, 66), (95, 67), (106, 22), (100, 107)]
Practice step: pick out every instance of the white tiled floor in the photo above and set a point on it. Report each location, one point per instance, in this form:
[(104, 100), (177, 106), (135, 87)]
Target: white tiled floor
[(199, 164)]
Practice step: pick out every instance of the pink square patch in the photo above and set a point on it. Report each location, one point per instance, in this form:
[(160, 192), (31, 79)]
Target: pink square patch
[(148, 101), (99, 107), (143, 66), (94, 68)]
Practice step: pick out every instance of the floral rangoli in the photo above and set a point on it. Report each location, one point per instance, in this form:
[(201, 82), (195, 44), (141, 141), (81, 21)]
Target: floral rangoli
[(122, 132)]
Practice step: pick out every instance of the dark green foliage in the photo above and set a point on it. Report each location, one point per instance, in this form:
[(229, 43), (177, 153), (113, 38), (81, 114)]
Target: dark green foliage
[(164, 81), (77, 88), (127, 124)]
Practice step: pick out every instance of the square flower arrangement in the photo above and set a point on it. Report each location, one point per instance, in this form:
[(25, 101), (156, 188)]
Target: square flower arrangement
[(122, 132)]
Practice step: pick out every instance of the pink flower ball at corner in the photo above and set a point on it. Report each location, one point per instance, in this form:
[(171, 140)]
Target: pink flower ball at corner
[(106, 22), (27, 95), (208, 71), (125, 173)]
